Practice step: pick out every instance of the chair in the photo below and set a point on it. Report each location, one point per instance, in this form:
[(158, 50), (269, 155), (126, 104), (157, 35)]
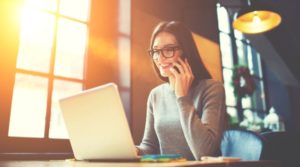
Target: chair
[(244, 144), (282, 146)]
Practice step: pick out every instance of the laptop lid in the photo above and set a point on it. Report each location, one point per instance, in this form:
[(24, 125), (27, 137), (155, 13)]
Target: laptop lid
[(97, 124)]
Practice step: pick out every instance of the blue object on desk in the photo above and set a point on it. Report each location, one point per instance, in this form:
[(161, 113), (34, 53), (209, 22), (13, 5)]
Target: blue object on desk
[(162, 158), (156, 156)]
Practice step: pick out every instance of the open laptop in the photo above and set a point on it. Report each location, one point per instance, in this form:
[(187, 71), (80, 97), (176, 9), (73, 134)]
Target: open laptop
[(97, 125)]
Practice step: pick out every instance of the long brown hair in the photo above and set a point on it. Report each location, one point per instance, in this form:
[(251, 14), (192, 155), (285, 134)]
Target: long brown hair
[(186, 42)]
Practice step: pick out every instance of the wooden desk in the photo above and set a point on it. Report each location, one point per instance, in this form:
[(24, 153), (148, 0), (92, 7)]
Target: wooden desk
[(71, 163)]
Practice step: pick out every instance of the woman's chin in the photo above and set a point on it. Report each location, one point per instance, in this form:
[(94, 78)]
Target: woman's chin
[(165, 73)]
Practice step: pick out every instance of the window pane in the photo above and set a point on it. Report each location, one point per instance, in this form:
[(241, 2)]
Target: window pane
[(223, 19), (70, 51), (60, 89), (229, 91), (230, 98), (29, 105), (78, 9), (50, 5), (250, 59), (259, 96), (226, 50), (227, 75), (233, 116), (238, 34), (246, 102), (256, 61), (241, 51), (36, 39)]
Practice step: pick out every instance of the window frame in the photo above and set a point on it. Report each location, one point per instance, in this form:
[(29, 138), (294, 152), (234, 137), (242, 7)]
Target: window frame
[(100, 34), (10, 144), (235, 57)]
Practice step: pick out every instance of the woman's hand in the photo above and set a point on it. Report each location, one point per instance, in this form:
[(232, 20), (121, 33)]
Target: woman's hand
[(183, 79), (138, 151)]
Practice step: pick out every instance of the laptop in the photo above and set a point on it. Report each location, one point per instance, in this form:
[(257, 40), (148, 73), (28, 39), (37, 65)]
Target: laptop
[(97, 125)]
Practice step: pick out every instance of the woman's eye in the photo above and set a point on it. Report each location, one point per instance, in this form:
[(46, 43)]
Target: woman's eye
[(168, 49)]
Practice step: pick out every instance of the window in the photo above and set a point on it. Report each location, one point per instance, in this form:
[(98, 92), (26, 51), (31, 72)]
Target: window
[(237, 50), (50, 65), (65, 46)]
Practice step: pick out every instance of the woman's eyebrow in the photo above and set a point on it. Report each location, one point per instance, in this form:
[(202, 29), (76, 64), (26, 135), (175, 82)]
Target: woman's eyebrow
[(173, 44), (166, 45)]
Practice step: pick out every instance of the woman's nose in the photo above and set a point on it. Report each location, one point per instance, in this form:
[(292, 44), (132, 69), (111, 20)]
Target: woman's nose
[(160, 57)]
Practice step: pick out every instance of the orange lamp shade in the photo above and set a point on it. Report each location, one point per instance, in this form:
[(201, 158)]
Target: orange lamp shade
[(257, 21)]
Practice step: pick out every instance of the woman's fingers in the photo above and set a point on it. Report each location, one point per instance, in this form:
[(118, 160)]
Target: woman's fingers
[(174, 72), (184, 77), (183, 64), (188, 66)]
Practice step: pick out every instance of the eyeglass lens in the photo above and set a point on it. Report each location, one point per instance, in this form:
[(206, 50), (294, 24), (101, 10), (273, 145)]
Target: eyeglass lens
[(166, 52)]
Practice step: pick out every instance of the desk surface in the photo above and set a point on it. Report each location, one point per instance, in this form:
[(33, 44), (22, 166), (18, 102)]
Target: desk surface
[(71, 163)]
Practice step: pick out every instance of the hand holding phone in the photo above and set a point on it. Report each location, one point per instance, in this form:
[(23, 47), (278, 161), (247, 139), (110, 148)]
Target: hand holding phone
[(183, 77)]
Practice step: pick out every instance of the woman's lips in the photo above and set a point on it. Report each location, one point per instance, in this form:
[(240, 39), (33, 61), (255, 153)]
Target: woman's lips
[(165, 67)]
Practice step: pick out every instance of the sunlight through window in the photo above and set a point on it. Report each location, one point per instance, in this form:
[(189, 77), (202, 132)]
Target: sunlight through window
[(37, 29), (50, 65), (78, 9), (60, 89), (50, 5), (28, 106), (70, 51)]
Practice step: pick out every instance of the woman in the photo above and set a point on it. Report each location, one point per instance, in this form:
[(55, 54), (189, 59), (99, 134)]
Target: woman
[(186, 114)]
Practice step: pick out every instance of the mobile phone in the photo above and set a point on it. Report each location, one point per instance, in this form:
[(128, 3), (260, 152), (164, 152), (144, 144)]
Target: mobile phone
[(176, 68)]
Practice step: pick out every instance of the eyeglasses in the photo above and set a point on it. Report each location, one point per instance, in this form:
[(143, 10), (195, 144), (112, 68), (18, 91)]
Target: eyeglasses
[(166, 52)]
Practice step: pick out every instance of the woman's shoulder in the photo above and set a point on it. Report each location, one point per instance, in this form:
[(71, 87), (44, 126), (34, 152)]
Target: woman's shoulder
[(209, 83)]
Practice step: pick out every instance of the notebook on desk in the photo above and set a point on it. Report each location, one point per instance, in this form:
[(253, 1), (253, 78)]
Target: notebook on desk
[(97, 125)]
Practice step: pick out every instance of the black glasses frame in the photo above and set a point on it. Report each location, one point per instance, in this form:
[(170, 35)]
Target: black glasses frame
[(162, 50)]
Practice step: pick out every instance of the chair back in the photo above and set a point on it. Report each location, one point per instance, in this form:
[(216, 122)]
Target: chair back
[(244, 144)]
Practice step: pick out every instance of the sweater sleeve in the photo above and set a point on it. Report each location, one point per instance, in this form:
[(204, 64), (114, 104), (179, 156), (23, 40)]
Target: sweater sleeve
[(203, 134), (149, 144)]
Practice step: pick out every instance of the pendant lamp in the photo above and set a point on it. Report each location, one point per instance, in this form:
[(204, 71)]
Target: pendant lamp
[(251, 20)]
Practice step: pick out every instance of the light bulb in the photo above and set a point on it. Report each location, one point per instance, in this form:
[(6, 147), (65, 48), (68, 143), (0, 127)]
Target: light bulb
[(256, 19)]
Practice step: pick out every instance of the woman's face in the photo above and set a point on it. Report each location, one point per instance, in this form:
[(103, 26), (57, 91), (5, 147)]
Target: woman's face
[(165, 52)]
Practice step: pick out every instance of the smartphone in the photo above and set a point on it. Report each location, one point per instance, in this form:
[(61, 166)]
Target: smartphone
[(176, 68)]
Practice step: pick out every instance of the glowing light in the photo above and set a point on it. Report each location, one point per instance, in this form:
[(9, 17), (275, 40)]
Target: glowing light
[(50, 5), (254, 22), (256, 19), (36, 38)]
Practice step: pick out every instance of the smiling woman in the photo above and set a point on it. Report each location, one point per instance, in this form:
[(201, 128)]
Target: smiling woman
[(186, 114)]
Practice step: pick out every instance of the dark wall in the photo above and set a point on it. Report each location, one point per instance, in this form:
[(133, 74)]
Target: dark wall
[(286, 37), (286, 42), (278, 97), (199, 15)]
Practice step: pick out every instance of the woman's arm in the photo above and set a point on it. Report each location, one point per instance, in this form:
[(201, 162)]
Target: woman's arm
[(203, 134), (149, 144)]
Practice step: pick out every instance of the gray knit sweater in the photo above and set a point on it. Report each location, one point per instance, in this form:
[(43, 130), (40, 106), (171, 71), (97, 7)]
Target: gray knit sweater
[(191, 125)]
